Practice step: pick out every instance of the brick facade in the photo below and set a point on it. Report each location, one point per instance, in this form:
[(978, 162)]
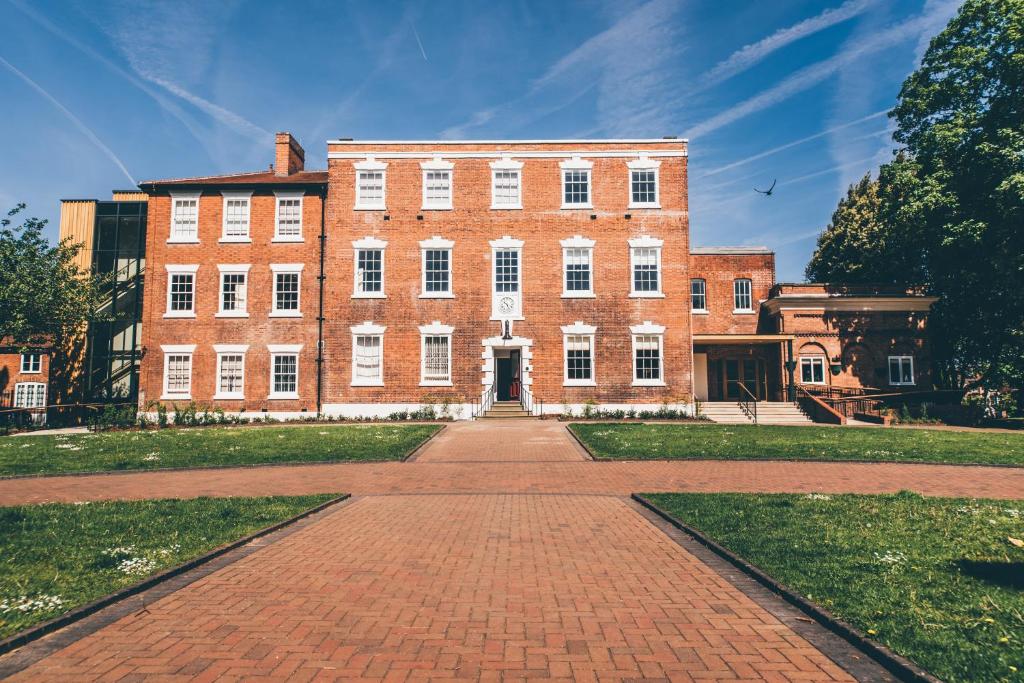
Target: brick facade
[(11, 374)]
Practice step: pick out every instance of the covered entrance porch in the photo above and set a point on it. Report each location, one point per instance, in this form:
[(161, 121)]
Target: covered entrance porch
[(739, 367)]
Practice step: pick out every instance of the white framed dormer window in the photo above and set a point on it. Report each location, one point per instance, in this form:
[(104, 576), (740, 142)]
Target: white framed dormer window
[(648, 354), (577, 268), (177, 371), (506, 279), (742, 295), (184, 219), (31, 363), (181, 291), (436, 355), (30, 395), (233, 296), (371, 185), (578, 350), (284, 370), (901, 370), (288, 216), (437, 184), (576, 190), (436, 259), (287, 294), (368, 355), (645, 267), (644, 184), (369, 268), (236, 211), (698, 295), (230, 371), (506, 184), (812, 369)]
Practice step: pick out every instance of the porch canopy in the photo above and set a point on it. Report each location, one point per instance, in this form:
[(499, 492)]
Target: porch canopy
[(722, 362)]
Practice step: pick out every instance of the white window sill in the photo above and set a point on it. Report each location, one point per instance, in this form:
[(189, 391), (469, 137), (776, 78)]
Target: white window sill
[(648, 383), (31, 372), (180, 314), (579, 383), (282, 395), (435, 384), (358, 207), (646, 295), (437, 295), (579, 295), (289, 239), (902, 384), (447, 207), (235, 240), (700, 311), (229, 397), (742, 311), (176, 397), (506, 207), (182, 240), (285, 314), (231, 314), (644, 206), (577, 206), (369, 295), (378, 383)]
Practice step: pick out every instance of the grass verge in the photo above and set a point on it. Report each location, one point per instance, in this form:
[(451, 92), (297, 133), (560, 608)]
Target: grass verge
[(56, 557), (742, 442), (197, 447), (934, 579)]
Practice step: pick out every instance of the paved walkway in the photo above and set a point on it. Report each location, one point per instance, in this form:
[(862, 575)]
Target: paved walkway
[(462, 572)]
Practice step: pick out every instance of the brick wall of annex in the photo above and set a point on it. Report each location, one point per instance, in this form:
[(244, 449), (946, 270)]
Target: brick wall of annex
[(11, 374), (205, 330), (541, 224), (719, 271)]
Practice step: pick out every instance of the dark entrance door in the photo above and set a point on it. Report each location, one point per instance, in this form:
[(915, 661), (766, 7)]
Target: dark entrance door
[(507, 373), (750, 372)]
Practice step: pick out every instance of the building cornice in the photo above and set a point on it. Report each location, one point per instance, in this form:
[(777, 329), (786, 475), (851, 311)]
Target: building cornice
[(827, 302)]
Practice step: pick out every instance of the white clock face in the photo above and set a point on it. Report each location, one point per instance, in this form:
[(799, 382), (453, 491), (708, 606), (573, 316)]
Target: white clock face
[(507, 304)]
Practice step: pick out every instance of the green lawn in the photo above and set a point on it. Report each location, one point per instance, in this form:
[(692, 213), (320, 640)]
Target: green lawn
[(194, 447), (935, 579), (733, 442), (56, 557)]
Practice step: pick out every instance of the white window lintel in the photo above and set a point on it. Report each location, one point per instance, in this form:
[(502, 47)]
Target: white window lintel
[(368, 327), (369, 243), (645, 241), (506, 164), (436, 242), (284, 348), (370, 163), (287, 267), (647, 327), (576, 164), (506, 242), (182, 268), (579, 327), (231, 348), (577, 241), (644, 163), (436, 328), (178, 348)]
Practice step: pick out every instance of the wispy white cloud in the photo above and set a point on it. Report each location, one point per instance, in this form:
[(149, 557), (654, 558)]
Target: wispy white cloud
[(864, 165), (416, 35), (84, 129), (750, 55)]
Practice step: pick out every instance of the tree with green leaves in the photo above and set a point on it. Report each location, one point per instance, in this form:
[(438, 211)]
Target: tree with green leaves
[(45, 298), (950, 207)]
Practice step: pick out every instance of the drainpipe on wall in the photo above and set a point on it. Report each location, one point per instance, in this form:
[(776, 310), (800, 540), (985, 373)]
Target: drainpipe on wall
[(320, 312)]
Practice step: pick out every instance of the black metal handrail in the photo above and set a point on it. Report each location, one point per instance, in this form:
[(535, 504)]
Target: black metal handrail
[(744, 402), (484, 404), (529, 403)]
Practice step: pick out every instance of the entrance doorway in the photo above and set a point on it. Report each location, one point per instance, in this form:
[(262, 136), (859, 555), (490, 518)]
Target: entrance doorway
[(508, 372), (749, 372)]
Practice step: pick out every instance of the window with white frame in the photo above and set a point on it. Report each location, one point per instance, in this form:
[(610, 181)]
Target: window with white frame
[(181, 291), (437, 184), (901, 370), (578, 267), (576, 184), (699, 295), (506, 295), (643, 184), (288, 217), (370, 184), (648, 352), (236, 217), (436, 354), (812, 369), (742, 297), (578, 346), (284, 370), (645, 263), (230, 371), (368, 355), (177, 371), (30, 395), (234, 290), (437, 268), (369, 268), (31, 363), (184, 218), (287, 288), (506, 184)]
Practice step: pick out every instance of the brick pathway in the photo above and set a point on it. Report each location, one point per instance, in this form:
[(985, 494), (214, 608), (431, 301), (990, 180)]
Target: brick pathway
[(459, 572)]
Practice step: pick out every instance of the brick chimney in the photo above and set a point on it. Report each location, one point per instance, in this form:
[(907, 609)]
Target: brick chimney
[(289, 156)]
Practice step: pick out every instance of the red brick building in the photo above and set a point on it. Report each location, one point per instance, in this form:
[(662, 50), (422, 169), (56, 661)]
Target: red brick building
[(451, 273)]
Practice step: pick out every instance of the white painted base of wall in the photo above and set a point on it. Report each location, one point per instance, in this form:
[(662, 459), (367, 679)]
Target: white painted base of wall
[(457, 411), (578, 408)]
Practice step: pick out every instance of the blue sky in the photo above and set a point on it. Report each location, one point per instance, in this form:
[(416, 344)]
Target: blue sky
[(101, 94)]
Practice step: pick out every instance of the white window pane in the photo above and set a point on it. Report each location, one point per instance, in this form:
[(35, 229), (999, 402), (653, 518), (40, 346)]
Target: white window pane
[(285, 373), (577, 269), (286, 291), (645, 269), (179, 373), (438, 187), (367, 357), (648, 357), (643, 187), (506, 188), (579, 363), (437, 274), (370, 270), (233, 292), (576, 187), (184, 218), (289, 217), (231, 369), (435, 359)]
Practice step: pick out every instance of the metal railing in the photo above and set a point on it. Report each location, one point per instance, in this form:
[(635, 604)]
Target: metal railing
[(819, 409), (747, 400), (531, 405), (484, 404)]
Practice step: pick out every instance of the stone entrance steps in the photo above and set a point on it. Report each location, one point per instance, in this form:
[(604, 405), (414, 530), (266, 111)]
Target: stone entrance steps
[(768, 412), (504, 410)]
